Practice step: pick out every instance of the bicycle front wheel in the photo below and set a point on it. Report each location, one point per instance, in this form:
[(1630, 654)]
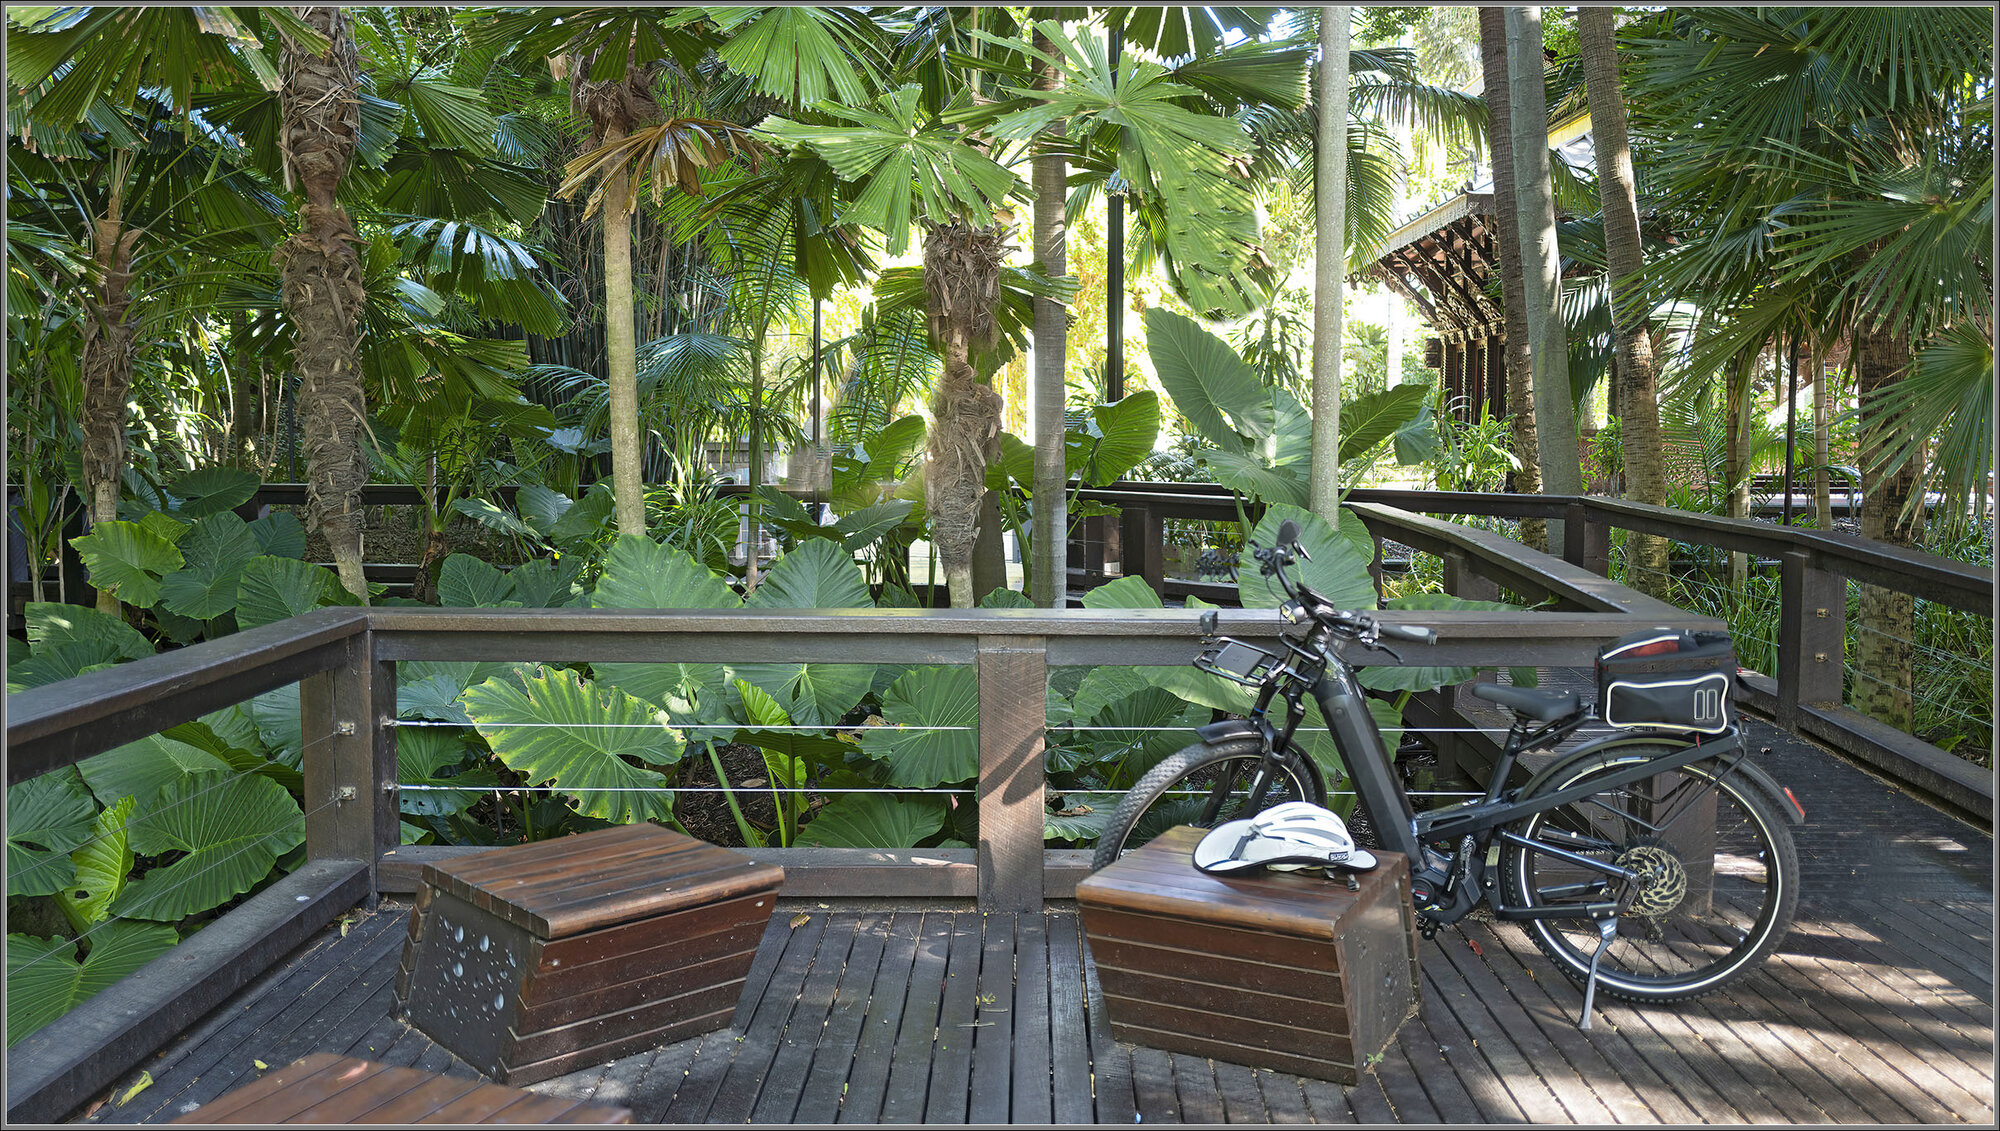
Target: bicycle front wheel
[(1203, 785), (1718, 876)]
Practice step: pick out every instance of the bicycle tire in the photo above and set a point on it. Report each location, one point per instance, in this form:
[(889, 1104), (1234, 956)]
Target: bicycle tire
[(1157, 800), (1718, 901)]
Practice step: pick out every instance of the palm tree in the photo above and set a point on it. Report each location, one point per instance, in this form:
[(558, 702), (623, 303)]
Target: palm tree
[(1636, 395), (324, 291), (1832, 170), (1049, 581), (1519, 356), (1329, 295)]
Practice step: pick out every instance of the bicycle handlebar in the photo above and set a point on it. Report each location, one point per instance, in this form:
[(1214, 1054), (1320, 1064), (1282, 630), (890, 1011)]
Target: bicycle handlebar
[(1360, 625)]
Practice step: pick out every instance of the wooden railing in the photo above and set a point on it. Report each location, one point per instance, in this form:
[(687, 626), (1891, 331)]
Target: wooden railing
[(344, 660), (1805, 693)]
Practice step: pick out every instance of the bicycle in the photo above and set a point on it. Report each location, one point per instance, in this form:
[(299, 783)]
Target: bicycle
[(1656, 862)]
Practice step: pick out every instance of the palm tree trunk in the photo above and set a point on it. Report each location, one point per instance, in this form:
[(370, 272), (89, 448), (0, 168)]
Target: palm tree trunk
[(1885, 619), (1049, 580), (107, 366), (1822, 419), (1513, 294), (962, 280), (323, 284), (1735, 458), (1329, 261), (1534, 195), (621, 348), (1637, 398)]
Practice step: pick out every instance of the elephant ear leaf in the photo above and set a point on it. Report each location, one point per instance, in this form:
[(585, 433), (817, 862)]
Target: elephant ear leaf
[(54, 625), (642, 574), (45, 980), (214, 554), (555, 728), (932, 737), (465, 582), (1371, 418), (47, 817), (231, 830), (102, 864), (1212, 387), (272, 589), (1338, 570), (874, 820), (128, 560), (819, 574), (213, 490)]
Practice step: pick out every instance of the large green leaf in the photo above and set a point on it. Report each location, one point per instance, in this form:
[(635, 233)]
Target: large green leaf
[(558, 729), (928, 697), (691, 693), (238, 754), (1250, 474), (1213, 388), (47, 817), (279, 535), (866, 526), (275, 715), (874, 820), (432, 689), (643, 574), (465, 582), (213, 490), (143, 768), (51, 663), (541, 507), (272, 589), (547, 583), (45, 981), (1083, 816), (1139, 730), (1369, 419), (817, 575), (128, 560), (493, 517), (231, 828), (1124, 593), (1338, 570), (813, 694), (214, 554), (423, 755), (1426, 679), (53, 625), (1118, 437), (102, 864)]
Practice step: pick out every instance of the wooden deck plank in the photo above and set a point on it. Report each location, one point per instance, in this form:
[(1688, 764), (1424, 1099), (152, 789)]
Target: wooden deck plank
[(1424, 1053), (1942, 943), (862, 1102), (1111, 1080), (1033, 1100), (1069, 1037), (1370, 1103), (1284, 1098), (1153, 1086), (1445, 997), (1195, 1088), (1327, 1102), (749, 1069), (804, 1032), (766, 1004), (819, 1098), (1242, 1099), (990, 1093), (908, 1065), (957, 1027)]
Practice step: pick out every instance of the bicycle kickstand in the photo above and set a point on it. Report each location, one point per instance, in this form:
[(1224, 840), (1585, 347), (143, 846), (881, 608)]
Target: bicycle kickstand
[(1607, 930)]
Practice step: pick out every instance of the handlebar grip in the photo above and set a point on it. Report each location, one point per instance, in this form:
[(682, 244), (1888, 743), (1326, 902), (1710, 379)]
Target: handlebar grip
[(1412, 634)]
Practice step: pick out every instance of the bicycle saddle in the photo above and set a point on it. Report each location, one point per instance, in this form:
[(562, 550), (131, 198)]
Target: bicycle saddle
[(1542, 704)]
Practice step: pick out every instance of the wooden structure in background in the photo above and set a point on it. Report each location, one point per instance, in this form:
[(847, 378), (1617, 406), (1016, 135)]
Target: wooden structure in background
[(1444, 262), (324, 1088)]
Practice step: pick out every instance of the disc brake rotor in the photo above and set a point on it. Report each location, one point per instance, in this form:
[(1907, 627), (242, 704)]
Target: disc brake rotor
[(1662, 882)]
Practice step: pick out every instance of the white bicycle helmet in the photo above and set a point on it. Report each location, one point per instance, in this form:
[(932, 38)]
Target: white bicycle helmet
[(1288, 837)]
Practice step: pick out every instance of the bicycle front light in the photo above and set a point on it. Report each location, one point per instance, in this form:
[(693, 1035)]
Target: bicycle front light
[(1294, 611)]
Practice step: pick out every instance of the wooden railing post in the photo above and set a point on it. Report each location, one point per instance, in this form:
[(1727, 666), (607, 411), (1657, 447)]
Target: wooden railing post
[(1812, 636), (347, 718), (1013, 717), (1463, 579), (1586, 542), (1141, 538)]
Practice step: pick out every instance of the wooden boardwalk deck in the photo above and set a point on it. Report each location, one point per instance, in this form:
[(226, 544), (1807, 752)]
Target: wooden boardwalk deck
[(1878, 1009)]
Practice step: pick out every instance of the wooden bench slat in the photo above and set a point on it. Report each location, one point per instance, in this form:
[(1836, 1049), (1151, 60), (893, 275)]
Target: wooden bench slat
[(327, 1088)]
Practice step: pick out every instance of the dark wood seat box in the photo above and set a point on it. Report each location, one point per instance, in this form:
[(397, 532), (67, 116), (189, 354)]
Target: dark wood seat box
[(1282, 970), (534, 960), (328, 1088)]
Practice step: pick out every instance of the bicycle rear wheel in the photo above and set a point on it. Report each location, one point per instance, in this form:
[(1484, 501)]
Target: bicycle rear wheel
[(1719, 876), (1203, 785)]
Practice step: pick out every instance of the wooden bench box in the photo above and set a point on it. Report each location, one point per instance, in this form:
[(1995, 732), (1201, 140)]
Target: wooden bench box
[(532, 961), (326, 1088), (1283, 970)]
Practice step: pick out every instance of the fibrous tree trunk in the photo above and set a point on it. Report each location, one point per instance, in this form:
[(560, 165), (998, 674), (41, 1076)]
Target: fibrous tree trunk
[(1330, 261), (1534, 196), (1513, 295), (1637, 398), (1049, 579), (613, 107), (107, 366), (1885, 628), (962, 281), (323, 283)]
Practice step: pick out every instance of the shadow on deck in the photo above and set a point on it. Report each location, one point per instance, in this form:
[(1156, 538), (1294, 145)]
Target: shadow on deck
[(1878, 1009)]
